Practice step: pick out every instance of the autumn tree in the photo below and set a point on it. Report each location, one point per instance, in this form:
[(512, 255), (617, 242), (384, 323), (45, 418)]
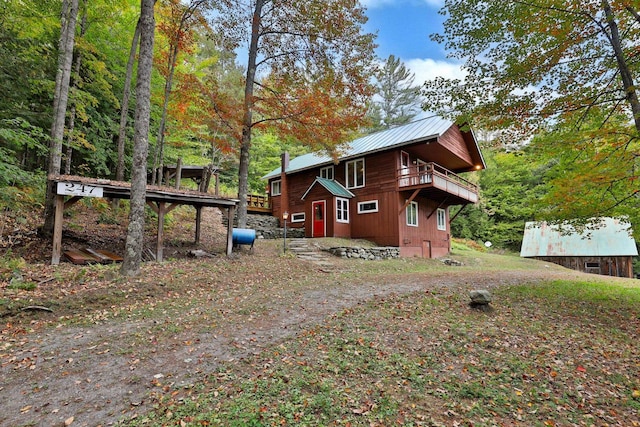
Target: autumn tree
[(568, 67), (135, 231), (529, 61), (176, 28), (308, 67), (398, 98)]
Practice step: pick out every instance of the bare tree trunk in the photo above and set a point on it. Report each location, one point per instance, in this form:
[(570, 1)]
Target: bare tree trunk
[(135, 233), (124, 110), (60, 100), (159, 151), (72, 114), (247, 121)]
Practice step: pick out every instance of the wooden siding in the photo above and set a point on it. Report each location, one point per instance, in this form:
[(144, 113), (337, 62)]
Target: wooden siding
[(380, 227), (388, 225), (620, 266), (426, 240), (297, 185), (454, 142)]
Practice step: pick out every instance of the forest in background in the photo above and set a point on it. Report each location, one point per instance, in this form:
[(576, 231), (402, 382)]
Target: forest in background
[(576, 166)]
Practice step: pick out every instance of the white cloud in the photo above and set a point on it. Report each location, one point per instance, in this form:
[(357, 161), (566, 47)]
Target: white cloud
[(428, 69)]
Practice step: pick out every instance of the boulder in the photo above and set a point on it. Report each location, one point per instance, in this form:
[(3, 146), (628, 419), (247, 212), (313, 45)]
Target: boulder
[(480, 297)]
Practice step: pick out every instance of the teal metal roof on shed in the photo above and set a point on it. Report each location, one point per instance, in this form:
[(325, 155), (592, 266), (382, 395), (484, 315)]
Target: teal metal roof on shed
[(611, 238), (425, 129)]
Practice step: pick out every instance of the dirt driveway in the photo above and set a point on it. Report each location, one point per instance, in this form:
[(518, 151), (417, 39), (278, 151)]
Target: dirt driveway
[(93, 368), (108, 342)]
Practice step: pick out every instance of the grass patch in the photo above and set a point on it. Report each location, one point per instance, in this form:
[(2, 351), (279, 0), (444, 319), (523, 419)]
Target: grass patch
[(556, 353), (21, 285)]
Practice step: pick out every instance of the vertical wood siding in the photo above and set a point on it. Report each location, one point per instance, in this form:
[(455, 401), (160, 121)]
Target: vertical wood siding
[(621, 266)]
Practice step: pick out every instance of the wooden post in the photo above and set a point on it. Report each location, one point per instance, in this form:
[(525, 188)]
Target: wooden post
[(178, 173), (160, 237), (198, 220), (230, 213), (57, 230)]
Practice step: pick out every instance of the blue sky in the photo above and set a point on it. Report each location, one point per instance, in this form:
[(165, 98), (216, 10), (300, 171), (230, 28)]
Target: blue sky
[(403, 28)]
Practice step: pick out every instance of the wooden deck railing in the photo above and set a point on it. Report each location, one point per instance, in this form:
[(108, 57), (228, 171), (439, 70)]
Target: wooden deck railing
[(434, 175), (258, 203)]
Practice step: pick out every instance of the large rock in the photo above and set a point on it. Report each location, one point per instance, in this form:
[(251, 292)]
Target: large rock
[(480, 297)]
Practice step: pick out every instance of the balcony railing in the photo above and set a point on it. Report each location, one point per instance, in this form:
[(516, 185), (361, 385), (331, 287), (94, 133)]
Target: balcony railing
[(431, 175), (257, 203)]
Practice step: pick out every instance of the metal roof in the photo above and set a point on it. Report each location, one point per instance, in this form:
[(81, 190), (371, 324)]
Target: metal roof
[(431, 127), (608, 237), (333, 187)]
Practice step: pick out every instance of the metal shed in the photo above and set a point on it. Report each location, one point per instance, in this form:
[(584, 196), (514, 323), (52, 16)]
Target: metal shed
[(604, 247)]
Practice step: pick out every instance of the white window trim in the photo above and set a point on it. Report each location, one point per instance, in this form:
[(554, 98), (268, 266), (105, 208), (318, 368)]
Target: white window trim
[(442, 214), (273, 184), (327, 169), (298, 217), (409, 209), (339, 201), (361, 211), (348, 179)]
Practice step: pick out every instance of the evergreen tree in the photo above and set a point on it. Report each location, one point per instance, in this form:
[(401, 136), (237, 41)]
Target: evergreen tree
[(398, 100)]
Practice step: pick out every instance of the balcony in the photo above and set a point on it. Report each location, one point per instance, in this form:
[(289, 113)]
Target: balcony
[(437, 183)]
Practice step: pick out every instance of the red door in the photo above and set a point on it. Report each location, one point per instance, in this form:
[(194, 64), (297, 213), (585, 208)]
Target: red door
[(319, 223)]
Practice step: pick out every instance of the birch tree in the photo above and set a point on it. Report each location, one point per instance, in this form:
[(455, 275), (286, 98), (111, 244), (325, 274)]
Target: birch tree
[(61, 97)]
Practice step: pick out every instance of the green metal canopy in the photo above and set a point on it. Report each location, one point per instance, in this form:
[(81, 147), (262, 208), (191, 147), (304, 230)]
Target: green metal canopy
[(333, 187)]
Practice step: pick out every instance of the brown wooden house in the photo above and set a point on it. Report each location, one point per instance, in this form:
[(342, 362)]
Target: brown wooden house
[(393, 187)]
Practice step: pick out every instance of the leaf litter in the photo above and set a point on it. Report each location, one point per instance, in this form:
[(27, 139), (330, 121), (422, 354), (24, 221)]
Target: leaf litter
[(368, 344)]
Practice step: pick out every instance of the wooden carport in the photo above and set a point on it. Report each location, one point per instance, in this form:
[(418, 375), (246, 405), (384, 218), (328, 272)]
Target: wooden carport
[(161, 199)]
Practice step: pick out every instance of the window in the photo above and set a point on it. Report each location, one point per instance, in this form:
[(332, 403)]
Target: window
[(326, 172), (276, 187), (592, 265), (355, 173), (342, 210), (412, 214), (297, 217), (368, 207), (442, 219)]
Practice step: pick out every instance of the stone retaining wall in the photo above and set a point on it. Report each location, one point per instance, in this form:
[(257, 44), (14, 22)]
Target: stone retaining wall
[(371, 254), (267, 227)]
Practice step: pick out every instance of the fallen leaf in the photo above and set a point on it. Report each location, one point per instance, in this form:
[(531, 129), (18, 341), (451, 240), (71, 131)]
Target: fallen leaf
[(69, 421)]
